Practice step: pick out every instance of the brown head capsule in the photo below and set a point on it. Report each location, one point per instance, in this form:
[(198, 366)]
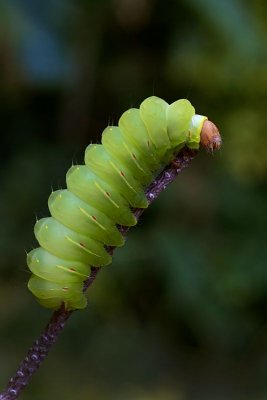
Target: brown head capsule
[(210, 137)]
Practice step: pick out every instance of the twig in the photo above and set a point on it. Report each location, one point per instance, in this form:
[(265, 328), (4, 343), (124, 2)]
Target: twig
[(40, 349)]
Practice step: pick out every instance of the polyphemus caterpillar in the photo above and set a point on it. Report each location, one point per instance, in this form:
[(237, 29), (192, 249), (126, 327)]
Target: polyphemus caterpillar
[(101, 194)]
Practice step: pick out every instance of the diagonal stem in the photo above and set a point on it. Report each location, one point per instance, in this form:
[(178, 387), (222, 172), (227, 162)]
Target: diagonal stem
[(40, 349)]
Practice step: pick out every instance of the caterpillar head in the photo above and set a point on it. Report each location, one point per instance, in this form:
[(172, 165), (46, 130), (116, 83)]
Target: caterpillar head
[(210, 137)]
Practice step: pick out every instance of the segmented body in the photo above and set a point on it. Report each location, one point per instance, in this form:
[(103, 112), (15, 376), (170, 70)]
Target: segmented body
[(100, 195)]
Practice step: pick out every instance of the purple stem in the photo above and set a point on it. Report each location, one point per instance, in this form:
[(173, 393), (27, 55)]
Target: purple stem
[(40, 349)]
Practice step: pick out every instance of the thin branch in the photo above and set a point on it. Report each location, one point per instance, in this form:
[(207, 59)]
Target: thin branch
[(40, 349)]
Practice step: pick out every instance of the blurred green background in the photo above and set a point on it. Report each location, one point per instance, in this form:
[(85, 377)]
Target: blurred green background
[(182, 312)]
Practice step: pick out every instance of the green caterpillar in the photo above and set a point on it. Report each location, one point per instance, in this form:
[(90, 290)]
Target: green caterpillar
[(100, 195)]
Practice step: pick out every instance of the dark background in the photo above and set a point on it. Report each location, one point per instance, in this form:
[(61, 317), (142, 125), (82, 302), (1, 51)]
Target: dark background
[(182, 312)]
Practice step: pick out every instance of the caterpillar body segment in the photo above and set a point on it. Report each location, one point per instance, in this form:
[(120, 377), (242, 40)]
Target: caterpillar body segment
[(79, 216), (82, 182)]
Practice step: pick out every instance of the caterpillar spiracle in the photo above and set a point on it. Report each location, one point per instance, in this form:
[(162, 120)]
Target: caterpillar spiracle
[(100, 196)]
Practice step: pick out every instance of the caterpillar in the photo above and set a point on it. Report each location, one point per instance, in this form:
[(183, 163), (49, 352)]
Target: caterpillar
[(101, 194)]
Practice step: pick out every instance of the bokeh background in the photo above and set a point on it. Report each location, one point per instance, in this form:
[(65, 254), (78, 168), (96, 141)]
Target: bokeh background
[(182, 312)]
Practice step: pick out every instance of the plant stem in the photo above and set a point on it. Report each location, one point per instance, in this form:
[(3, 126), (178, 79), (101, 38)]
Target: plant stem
[(40, 349)]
